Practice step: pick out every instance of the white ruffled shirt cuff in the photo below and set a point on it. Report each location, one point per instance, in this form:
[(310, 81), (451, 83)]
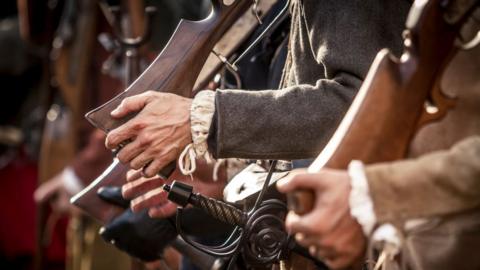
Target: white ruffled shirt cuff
[(361, 205), (71, 181), (361, 208), (201, 117)]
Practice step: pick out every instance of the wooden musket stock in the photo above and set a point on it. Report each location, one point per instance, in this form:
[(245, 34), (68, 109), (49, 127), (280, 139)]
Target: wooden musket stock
[(390, 106), (175, 70)]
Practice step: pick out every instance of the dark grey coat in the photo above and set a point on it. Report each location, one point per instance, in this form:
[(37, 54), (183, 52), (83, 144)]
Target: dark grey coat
[(332, 44)]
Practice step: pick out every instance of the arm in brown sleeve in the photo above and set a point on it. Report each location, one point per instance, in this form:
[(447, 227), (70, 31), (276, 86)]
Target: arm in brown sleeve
[(438, 183)]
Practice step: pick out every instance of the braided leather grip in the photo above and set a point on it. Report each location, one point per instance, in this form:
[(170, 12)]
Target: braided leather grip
[(220, 210)]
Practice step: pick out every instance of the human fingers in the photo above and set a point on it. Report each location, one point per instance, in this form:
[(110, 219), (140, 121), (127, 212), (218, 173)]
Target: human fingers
[(332, 244), (150, 199), (309, 240), (123, 133), (338, 262), (321, 253), (132, 104), (162, 211), (61, 202), (141, 160), (306, 240), (133, 175), (141, 186), (351, 247), (347, 243), (152, 161), (306, 224), (299, 179), (151, 169), (47, 190), (130, 151)]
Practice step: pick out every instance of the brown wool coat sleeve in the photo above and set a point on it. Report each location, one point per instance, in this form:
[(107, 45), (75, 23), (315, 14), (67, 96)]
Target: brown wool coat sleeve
[(438, 183)]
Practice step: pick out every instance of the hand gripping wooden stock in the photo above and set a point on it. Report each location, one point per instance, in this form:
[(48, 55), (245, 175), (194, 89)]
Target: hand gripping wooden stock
[(175, 70), (390, 106)]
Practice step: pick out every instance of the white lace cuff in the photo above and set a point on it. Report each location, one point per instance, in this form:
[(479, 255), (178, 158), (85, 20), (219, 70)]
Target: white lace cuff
[(201, 116), (361, 205), (71, 182)]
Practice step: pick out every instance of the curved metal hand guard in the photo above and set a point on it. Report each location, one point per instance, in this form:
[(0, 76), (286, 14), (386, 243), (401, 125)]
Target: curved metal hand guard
[(259, 234)]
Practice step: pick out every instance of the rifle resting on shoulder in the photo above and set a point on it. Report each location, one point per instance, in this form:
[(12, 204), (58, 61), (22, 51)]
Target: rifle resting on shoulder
[(393, 102)]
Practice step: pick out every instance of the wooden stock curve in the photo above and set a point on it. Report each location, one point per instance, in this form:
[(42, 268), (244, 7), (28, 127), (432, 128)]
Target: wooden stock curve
[(88, 200), (176, 68), (384, 116)]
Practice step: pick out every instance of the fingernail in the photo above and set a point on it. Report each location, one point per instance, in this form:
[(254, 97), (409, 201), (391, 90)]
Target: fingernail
[(102, 230), (124, 191), (115, 112), (133, 205)]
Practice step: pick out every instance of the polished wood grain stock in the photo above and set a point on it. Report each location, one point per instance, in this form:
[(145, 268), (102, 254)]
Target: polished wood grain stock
[(88, 200), (390, 106), (175, 70)]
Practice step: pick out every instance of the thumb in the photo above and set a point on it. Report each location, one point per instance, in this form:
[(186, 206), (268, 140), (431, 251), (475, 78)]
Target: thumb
[(299, 180), (132, 104)]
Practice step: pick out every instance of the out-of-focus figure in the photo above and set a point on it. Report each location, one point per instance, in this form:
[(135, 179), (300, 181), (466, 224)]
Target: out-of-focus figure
[(60, 66)]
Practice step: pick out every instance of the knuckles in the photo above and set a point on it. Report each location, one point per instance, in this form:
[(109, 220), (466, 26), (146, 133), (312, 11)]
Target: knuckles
[(150, 171), (138, 126), (125, 103), (111, 140), (150, 94), (122, 156), (135, 165), (329, 243), (145, 140), (131, 174)]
